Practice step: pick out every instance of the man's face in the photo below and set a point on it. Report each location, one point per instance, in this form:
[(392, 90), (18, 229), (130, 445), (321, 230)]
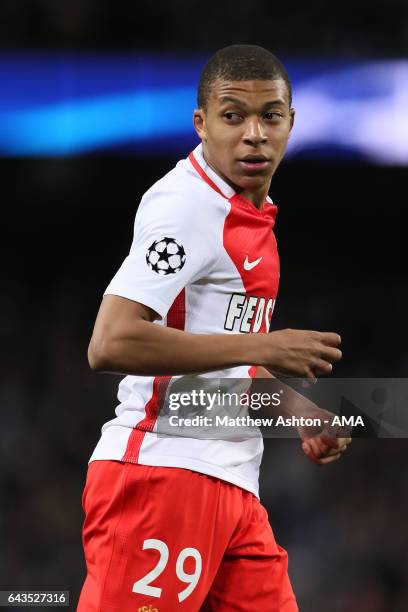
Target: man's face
[(245, 130)]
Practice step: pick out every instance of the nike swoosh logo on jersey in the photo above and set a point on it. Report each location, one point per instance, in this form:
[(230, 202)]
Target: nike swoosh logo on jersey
[(248, 265)]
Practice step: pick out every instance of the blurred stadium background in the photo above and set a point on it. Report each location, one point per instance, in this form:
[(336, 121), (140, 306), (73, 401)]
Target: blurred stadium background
[(95, 106)]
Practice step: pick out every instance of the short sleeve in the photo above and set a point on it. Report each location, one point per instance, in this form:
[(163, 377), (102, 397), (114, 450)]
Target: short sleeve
[(170, 250)]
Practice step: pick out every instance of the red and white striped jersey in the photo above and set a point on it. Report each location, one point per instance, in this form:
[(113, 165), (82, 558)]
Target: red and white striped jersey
[(205, 259)]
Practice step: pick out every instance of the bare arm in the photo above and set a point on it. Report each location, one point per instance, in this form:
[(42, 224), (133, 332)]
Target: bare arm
[(125, 341)]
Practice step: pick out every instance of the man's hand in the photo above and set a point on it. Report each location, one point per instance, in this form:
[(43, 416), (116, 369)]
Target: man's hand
[(324, 445), (320, 444), (330, 442), (322, 449), (301, 353)]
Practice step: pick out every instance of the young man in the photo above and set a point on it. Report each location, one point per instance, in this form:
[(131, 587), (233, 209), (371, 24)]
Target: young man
[(174, 523)]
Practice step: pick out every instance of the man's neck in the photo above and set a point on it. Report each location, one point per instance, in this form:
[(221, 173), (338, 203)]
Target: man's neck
[(257, 197)]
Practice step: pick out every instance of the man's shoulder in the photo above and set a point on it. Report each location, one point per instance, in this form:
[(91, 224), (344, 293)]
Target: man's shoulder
[(181, 186)]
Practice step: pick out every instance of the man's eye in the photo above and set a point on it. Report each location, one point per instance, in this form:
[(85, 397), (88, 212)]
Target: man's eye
[(232, 116), (272, 116)]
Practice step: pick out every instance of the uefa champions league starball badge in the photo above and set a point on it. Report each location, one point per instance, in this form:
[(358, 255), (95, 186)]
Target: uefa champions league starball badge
[(166, 256)]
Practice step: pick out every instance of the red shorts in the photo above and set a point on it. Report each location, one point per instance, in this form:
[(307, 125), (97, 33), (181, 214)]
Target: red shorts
[(160, 539)]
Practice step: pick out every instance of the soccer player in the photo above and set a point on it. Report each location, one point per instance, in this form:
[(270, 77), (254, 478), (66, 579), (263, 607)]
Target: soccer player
[(172, 522)]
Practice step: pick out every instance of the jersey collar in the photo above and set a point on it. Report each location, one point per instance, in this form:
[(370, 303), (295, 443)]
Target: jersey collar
[(199, 164), (208, 175)]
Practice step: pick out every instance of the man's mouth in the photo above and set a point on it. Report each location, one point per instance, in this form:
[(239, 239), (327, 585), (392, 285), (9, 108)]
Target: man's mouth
[(254, 162)]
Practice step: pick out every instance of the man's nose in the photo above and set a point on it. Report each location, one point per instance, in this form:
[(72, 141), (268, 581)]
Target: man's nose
[(254, 132)]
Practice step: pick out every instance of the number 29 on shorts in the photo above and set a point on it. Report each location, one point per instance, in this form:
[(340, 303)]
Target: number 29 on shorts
[(143, 586)]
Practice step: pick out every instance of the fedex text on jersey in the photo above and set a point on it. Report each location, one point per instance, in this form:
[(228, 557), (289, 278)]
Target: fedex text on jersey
[(253, 312)]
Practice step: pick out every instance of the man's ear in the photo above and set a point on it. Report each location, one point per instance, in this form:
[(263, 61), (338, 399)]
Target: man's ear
[(199, 123), (292, 113)]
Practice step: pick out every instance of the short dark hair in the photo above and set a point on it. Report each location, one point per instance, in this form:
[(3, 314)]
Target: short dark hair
[(240, 63)]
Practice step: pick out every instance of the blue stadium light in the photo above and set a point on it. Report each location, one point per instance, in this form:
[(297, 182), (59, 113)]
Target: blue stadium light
[(73, 104), (80, 126)]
